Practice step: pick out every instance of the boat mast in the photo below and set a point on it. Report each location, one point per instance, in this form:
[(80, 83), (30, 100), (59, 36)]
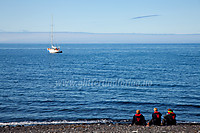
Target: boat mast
[(52, 32)]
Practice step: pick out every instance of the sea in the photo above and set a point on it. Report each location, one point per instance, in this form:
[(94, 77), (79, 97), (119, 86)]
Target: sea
[(98, 83)]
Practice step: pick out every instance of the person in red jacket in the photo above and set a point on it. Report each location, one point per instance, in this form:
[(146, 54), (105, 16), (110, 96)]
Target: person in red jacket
[(169, 118), (156, 118), (138, 119)]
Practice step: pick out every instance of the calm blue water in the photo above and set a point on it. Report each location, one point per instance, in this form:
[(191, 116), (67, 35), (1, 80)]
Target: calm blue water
[(98, 81)]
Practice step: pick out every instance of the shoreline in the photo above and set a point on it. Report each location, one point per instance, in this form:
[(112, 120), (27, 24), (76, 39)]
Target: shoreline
[(101, 127), (83, 121)]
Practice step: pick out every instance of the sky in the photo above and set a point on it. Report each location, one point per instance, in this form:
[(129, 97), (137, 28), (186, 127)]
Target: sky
[(100, 21), (101, 16)]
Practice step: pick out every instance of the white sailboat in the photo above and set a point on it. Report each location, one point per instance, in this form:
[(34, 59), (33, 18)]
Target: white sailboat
[(53, 48)]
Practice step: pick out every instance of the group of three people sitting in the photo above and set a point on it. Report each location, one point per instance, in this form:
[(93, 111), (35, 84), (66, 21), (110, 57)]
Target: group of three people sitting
[(169, 118)]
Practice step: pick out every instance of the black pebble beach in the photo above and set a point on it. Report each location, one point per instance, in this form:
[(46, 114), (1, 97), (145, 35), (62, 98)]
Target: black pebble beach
[(107, 128)]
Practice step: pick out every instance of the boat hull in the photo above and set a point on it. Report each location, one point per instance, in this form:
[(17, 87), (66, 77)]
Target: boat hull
[(54, 50)]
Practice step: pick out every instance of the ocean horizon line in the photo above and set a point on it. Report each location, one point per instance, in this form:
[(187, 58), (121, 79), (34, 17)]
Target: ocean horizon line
[(82, 37), (123, 33), (98, 43)]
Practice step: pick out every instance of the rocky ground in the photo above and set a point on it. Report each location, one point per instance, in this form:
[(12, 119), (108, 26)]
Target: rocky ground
[(98, 128)]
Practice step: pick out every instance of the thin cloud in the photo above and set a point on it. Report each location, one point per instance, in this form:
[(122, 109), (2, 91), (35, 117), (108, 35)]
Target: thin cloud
[(147, 16)]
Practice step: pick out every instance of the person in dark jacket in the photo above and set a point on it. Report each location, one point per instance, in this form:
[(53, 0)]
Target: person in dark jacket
[(138, 119), (156, 118), (169, 118)]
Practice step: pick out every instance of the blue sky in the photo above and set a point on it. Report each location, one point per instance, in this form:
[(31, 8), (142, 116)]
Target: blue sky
[(101, 16)]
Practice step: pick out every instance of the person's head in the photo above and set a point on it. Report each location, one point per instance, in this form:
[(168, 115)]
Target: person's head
[(169, 110), (155, 109), (137, 111)]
